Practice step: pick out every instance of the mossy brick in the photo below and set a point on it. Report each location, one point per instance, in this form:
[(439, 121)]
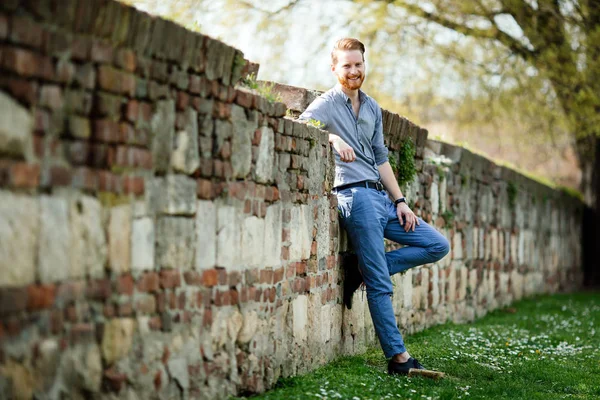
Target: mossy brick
[(58, 44), (79, 127), (121, 24), (78, 101), (84, 17), (116, 81), (157, 39), (106, 14), (102, 52), (65, 14), (140, 33), (26, 32), (108, 105), (176, 38)]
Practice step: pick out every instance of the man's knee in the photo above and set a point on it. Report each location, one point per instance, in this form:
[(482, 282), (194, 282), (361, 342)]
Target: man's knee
[(439, 248)]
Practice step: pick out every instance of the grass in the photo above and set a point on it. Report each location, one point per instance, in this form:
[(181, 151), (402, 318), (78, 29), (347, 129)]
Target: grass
[(542, 348)]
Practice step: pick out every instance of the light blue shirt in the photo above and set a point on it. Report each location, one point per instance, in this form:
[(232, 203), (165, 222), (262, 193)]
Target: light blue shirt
[(364, 134)]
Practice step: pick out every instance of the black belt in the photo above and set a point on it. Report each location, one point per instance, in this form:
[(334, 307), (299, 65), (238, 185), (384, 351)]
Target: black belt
[(366, 184)]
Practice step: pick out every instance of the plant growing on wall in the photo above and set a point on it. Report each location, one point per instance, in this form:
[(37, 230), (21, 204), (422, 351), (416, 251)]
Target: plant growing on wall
[(404, 166)]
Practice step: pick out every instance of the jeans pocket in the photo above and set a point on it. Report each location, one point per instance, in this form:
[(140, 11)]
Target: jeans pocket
[(345, 199)]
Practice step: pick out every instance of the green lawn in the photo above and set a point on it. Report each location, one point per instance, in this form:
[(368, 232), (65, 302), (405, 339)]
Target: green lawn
[(542, 348)]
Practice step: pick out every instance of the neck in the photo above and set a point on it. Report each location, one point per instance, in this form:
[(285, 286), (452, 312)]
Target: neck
[(352, 94)]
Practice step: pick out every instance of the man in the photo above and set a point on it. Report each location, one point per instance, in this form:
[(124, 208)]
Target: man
[(366, 211)]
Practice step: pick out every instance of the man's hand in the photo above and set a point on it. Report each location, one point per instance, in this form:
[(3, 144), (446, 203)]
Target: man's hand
[(407, 217), (346, 152)]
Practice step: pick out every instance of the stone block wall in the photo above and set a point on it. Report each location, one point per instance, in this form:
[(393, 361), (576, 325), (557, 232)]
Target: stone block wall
[(166, 233)]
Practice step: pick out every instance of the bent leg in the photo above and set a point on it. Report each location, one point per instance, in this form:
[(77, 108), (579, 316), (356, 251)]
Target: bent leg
[(426, 245)]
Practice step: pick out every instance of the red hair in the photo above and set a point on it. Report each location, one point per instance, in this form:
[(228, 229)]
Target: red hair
[(347, 44)]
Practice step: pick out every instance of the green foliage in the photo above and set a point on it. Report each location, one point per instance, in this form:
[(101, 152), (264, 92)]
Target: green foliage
[(448, 218), (571, 192), (316, 123), (264, 89), (541, 348), (406, 168), (511, 190)]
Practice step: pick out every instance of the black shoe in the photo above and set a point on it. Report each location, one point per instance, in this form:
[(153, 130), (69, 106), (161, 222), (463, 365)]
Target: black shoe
[(352, 277), (403, 368)]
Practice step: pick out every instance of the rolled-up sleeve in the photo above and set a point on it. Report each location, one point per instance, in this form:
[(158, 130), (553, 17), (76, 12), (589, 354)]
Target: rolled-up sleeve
[(379, 149), (317, 110)]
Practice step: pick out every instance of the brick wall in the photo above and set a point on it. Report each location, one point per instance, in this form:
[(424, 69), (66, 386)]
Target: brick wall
[(164, 232)]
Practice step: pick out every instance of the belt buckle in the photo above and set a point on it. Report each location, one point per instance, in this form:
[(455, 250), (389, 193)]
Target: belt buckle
[(379, 186)]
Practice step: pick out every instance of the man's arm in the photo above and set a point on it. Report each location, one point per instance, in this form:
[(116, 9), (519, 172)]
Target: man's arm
[(402, 209), (318, 111)]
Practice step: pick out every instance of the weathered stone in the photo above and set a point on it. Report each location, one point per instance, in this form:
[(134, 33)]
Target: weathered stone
[(300, 318), (178, 197), (88, 240), (19, 231), (265, 162), (272, 240), (117, 339), (175, 242), (55, 241), (249, 326), (253, 236), (323, 225), (229, 227), (16, 126), (241, 142), (206, 235), (142, 244), (22, 381), (81, 367), (185, 157), (119, 239), (178, 370), (457, 253), (162, 128), (301, 227)]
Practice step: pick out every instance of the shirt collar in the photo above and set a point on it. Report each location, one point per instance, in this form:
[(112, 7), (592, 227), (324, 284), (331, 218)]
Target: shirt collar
[(362, 96)]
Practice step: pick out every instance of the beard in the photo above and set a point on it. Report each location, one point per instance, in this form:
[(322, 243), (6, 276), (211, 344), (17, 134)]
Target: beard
[(352, 84)]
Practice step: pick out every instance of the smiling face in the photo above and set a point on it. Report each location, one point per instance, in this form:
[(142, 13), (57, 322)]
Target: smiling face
[(349, 68)]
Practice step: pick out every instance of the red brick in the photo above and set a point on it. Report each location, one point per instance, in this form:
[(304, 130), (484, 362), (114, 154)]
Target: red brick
[(3, 26), (244, 98), (125, 58), (125, 310), (132, 110), (56, 321), (23, 175), (115, 81), (204, 189), (102, 52), (51, 96), (133, 185), (221, 110), (125, 284), (98, 289), (105, 130), (266, 276), (25, 31), (68, 292), (210, 277), (170, 279), (234, 278), (108, 182), (65, 71), (285, 253), (40, 297), (155, 324), (114, 380), (84, 178), (149, 282), (23, 90), (146, 304), (183, 101), (192, 278), (181, 301), (60, 176), (13, 300), (81, 332), (26, 63)]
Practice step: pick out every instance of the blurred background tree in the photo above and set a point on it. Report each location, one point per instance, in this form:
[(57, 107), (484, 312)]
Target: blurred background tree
[(515, 80)]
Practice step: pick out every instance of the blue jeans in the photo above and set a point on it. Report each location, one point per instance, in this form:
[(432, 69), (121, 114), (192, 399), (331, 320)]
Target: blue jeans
[(368, 215)]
